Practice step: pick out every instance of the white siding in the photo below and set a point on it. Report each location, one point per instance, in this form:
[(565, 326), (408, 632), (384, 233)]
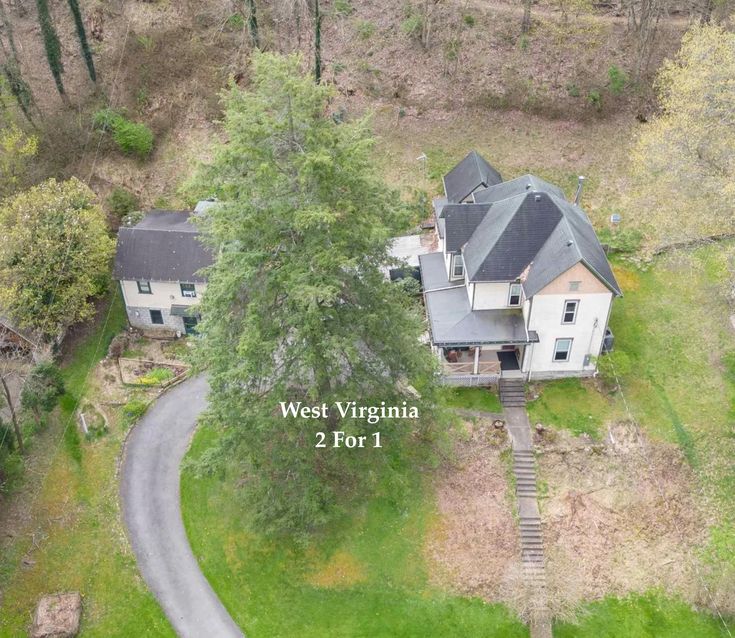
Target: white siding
[(489, 296), (164, 294), (587, 331)]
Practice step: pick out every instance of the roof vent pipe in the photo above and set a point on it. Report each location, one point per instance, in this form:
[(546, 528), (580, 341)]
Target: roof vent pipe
[(578, 194)]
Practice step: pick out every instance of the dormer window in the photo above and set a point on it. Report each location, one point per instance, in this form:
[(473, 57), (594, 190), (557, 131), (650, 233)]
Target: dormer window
[(458, 267), (514, 296)]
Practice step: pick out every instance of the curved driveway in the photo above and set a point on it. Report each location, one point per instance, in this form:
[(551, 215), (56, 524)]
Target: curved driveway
[(151, 507)]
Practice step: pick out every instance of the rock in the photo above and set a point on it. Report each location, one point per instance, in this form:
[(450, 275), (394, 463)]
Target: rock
[(540, 428), (57, 616)]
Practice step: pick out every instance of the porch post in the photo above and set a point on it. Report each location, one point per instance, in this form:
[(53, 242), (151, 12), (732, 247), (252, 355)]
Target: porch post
[(476, 369)]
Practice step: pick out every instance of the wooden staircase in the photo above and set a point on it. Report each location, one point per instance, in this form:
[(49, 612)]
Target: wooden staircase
[(512, 392)]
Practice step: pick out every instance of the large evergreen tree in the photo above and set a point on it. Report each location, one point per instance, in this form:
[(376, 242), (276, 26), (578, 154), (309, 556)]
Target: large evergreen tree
[(297, 308)]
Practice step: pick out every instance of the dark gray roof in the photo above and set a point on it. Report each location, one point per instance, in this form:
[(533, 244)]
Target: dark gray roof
[(471, 173), (434, 272), (537, 229), (164, 246), (461, 221), (573, 241), (516, 186), (451, 319), (509, 237)]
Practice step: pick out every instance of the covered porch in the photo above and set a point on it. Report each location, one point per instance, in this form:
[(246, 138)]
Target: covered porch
[(487, 363), (474, 347)]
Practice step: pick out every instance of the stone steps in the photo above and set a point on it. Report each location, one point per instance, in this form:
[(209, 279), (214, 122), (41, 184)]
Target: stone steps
[(512, 393)]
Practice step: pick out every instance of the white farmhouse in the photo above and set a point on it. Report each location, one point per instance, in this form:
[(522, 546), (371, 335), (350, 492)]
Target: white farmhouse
[(158, 264), (520, 286)]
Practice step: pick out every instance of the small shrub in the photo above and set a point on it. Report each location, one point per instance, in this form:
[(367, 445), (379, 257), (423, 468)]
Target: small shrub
[(618, 79), (236, 22), (121, 202), (573, 90), (413, 25), (145, 42), (133, 138), (451, 49), (106, 119), (594, 99), (343, 7), (338, 67), (131, 219), (469, 20), (365, 29), (524, 42), (134, 409)]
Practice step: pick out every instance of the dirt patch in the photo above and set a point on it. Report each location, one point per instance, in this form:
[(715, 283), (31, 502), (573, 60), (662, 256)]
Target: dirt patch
[(342, 570), (474, 545), (622, 516), (619, 516)]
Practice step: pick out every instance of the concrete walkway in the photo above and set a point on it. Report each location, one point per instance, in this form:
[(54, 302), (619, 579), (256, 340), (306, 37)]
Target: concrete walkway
[(151, 506)]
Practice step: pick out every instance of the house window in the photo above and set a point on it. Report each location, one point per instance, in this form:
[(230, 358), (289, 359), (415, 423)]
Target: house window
[(562, 349), (574, 286), (157, 317), (458, 269), (188, 290), (514, 298), (570, 311), (144, 287)]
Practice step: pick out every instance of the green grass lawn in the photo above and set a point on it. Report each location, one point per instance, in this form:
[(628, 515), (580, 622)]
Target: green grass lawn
[(367, 578), (642, 616), (571, 404), (76, 522), (482, 399)]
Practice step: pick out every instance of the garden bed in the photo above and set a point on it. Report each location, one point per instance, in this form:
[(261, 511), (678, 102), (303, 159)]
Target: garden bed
[(140, 372)]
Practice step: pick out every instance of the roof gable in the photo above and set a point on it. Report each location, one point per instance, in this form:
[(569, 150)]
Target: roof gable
[(473, 172)]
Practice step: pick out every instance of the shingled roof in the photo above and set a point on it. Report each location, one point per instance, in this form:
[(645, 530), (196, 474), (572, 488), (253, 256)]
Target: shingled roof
[(164, 246), (536, 234), (460, 222), (523, 184), (473, 172)]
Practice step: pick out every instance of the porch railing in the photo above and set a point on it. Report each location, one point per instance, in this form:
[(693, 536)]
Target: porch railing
[(468, 367)]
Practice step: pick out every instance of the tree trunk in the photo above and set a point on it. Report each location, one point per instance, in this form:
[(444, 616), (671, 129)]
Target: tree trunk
[(16, 426), (317, 43), (253, 24), (526, 23)]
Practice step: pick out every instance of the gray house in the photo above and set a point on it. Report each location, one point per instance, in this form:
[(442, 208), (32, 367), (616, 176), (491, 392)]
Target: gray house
[(157, 264)]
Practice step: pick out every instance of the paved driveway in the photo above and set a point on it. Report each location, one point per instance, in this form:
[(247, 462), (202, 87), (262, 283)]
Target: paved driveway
[(151, 508)]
